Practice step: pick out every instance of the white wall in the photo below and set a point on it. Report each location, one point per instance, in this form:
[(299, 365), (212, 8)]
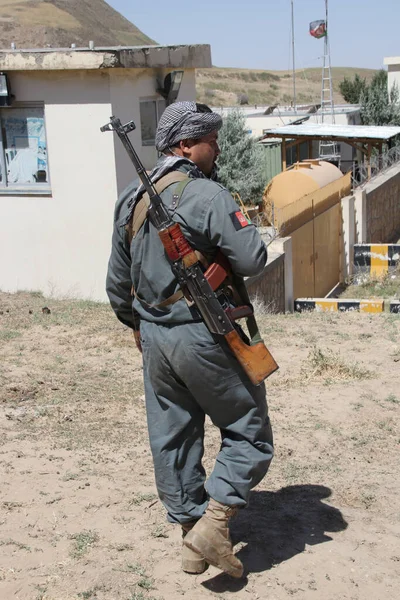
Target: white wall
[(60, 244), (394, 75)]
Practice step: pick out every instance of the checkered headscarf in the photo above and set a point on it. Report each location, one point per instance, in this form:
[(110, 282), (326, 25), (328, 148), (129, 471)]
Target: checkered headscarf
[(185, 121)]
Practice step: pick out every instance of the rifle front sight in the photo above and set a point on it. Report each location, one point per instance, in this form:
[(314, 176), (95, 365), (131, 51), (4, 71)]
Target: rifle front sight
[(116, 125)]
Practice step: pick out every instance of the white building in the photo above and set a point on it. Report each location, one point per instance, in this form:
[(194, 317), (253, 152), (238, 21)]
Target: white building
[(59, 175), (393, 65)]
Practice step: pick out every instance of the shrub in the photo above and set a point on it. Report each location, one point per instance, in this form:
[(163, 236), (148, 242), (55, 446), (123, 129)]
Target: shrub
[(242, 160)]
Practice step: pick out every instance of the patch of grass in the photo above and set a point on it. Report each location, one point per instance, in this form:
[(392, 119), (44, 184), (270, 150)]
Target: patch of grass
[(136, 568), (366, 287), (42, 411), (11, 505), (123, 547), (89, 594), (357, 405), (360, 440), (83, 542), (139, 595), (9, 334), (54, 500), (392, 398), (41, 592), (70, 476), (10, 542), (332, 367), (386, 426), (146, 583), (139, 498), (159, 532), (363, 336), (367, 499)]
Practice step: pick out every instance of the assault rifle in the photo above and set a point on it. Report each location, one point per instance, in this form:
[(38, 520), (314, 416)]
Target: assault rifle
[(256, 360)]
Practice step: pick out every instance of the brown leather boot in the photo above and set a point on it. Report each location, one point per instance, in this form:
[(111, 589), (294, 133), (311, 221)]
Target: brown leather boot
[(209, 537), (192, 562)]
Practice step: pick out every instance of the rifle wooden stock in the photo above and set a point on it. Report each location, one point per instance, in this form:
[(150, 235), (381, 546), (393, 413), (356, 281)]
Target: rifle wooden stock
[(256, 361)]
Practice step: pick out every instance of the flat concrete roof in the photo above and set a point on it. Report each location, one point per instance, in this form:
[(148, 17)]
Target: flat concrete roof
[(123, 57), (391, 60), (332, 132)]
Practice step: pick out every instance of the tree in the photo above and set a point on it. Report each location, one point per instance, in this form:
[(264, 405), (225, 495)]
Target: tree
[(242, 99), (379, 79), (241, 165), (351, 90), (378, 105)]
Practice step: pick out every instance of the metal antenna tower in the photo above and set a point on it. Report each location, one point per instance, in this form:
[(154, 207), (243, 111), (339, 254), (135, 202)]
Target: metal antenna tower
[(328, 150)]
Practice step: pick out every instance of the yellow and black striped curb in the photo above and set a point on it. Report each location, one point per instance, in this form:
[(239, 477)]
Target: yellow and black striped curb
[(332, 305), (375, 259), (395, 307)]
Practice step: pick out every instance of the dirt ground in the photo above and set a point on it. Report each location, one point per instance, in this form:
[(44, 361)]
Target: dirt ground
[(79, 517)]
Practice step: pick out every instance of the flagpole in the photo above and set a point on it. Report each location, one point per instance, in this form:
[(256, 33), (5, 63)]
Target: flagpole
[(293, 62), (326, 51)]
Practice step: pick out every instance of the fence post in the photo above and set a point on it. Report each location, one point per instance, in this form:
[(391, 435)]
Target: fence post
[(361, 216), (348, 237), (284, 245)]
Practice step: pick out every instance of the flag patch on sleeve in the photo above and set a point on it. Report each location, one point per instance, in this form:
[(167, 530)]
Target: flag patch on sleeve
[(239, 220)]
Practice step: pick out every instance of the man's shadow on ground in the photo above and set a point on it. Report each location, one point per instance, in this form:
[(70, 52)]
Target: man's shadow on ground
[(277, 526)]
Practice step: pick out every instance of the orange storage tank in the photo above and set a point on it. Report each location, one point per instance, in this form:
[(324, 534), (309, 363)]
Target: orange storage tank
[(298, 181)]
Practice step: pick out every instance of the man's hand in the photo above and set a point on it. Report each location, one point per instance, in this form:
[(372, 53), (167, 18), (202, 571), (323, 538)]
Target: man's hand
[(137, 340)]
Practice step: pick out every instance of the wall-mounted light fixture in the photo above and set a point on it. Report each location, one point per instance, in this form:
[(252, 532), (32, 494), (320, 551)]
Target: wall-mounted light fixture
[(171, 86), (5, 90)]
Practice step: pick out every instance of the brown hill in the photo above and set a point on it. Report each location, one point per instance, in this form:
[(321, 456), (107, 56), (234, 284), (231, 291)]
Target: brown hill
[(222, 87), (60, 23)]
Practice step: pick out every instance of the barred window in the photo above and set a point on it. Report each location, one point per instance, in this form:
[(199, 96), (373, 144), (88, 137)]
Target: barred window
[(23, 148), (150, 113)]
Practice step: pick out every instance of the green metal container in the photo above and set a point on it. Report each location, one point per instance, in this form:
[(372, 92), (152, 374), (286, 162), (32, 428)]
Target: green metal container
[(273, 159)]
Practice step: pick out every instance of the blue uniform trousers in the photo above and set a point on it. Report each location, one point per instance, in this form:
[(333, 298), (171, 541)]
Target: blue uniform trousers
[(188, 375)]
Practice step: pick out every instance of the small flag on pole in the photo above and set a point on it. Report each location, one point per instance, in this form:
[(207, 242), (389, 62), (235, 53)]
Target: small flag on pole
[(318, 29)]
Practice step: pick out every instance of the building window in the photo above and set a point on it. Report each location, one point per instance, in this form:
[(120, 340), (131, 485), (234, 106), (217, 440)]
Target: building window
[(23, 148), (150, 113)]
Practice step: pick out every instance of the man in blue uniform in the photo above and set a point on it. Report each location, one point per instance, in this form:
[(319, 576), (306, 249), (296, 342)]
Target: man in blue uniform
[(188, 373)]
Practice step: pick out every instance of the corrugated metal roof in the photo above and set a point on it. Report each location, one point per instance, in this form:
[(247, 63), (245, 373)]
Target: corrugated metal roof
[(336, 131)]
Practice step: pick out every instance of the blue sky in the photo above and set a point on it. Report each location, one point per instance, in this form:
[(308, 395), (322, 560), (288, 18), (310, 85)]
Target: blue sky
[(256, 33)]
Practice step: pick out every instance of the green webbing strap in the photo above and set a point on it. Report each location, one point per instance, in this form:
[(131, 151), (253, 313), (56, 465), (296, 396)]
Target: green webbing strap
[(254, 332), (139, 215), (255, 335), (180, 188)]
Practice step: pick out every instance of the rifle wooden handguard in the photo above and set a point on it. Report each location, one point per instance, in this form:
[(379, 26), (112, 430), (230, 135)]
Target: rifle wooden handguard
[(218, 271)]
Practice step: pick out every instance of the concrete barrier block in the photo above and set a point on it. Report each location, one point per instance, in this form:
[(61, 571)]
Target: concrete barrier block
[(395, 307), (331, 305), (375, 260)]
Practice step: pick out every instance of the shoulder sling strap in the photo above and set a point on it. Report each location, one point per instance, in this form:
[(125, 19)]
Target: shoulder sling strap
[(140, 213)]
